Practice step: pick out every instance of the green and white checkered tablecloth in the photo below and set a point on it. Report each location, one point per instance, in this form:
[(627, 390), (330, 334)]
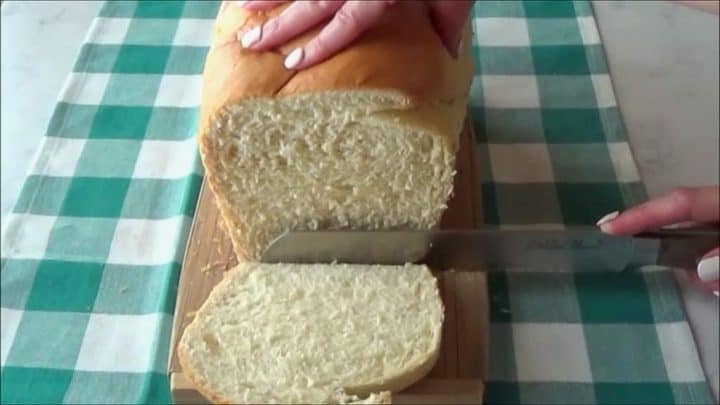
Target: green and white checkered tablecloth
[(92, 250)]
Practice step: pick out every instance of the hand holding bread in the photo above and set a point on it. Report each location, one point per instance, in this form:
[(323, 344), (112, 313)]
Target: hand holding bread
[(347, 20), (364, 140)]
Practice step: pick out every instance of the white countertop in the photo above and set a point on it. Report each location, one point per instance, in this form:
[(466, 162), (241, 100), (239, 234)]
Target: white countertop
[(663, 58)]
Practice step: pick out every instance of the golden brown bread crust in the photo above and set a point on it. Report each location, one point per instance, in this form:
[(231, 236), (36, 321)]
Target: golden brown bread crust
[(402, 52), (396, 55), (401, 55)]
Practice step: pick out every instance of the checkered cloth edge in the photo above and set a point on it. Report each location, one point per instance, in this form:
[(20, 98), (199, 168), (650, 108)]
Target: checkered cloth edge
[(92, 250)]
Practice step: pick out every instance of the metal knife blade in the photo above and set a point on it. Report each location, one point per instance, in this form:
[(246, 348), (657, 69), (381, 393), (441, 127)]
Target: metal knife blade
[(578, 249)]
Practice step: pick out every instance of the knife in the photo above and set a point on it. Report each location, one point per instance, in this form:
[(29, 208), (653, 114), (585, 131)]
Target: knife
[(577, 249)]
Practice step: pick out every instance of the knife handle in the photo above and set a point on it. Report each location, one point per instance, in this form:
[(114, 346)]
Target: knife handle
[(683, 248)]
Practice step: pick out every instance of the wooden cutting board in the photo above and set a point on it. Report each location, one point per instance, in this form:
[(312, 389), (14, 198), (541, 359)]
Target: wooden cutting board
[(462, 366)]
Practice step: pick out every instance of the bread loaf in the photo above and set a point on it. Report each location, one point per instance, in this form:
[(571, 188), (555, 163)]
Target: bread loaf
[(364, 140), (313, 334)]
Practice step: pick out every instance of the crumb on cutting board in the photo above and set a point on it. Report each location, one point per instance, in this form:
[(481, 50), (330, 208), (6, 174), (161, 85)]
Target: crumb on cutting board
[(220, 265)]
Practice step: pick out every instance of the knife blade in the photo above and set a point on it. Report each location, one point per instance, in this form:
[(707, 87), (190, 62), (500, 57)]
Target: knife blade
[(577, 249)]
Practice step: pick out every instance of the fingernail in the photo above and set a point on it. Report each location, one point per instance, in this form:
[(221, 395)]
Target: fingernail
[(717, 294), (251, 37), (707, 269), (607, 218), (293, 59)]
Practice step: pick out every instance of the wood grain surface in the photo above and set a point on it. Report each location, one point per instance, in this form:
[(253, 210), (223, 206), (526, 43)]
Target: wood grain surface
[(462, 366)]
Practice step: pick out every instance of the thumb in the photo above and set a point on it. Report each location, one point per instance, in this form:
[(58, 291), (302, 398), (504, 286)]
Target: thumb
[(449, 18)]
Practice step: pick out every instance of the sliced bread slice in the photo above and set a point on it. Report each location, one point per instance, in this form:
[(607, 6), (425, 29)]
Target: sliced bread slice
[(280, 333)]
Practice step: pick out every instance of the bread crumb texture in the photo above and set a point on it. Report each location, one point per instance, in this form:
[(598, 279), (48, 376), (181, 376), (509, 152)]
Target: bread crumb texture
[(330, 161), (277, 333)]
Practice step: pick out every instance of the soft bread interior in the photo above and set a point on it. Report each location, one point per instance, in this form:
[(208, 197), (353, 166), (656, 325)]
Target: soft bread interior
[(314, 333), (327, 161)]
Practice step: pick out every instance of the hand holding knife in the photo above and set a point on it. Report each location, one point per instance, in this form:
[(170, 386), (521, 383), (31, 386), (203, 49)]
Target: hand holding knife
[(620, 242), (680, 208)]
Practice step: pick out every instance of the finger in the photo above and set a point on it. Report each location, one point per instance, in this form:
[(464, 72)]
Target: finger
[(351, 20), (296, 19), (449, 19), (699, 204), (259, 5)]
